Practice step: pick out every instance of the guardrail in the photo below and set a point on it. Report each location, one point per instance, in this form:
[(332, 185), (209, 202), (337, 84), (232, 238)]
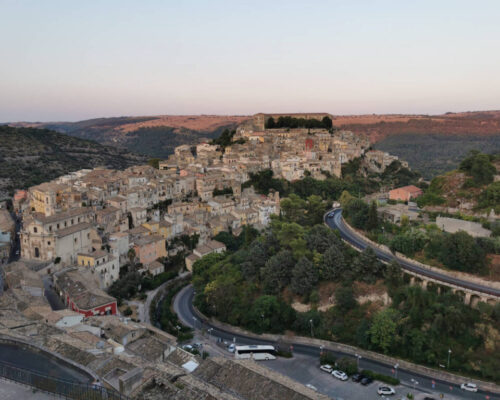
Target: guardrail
[(63, 388)]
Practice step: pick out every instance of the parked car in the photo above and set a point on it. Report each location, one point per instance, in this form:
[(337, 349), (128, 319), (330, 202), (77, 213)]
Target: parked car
[(188, 347), (312, 387), (340, 375), (197, 345), (357, 377), (366, 380), (327, 368), (385, 390), (231, 348), (470, 387)]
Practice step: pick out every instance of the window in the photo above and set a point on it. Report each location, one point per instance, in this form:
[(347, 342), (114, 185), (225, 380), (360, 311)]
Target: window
[(57, 226), (37, 252), (35, 229), (48, 243), (76, 240), (50, 228), (72, 221), (65, 224)]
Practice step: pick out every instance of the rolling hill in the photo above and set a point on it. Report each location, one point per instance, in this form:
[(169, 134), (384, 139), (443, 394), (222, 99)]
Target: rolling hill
[(29, 156), (154, 136)]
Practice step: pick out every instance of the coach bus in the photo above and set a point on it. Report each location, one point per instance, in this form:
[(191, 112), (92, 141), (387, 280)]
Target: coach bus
[(256, 352)]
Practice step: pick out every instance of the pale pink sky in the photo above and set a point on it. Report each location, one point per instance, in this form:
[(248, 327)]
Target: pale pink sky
[(65, 60)]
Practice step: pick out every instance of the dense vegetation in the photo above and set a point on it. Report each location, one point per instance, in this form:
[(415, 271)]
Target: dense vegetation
[(478, 187), (161, 141), (458, 251), (434, 154), (254, 285), (292, 123), (31, 156)]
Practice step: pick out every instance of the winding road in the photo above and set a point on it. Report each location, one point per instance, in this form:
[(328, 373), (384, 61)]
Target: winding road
[(334, 220), (183, 306)]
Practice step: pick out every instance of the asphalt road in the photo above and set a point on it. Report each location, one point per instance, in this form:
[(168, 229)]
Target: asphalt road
[(335, 222), (183, 306)]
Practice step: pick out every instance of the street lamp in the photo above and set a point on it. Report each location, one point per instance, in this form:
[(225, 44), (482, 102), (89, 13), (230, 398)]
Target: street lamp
[(449, 355), (194, 322), (358, 357), (415, 383), (396, 369), (311, 322)]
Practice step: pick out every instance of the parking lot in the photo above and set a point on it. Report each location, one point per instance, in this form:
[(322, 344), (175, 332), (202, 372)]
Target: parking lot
[(305, 370)]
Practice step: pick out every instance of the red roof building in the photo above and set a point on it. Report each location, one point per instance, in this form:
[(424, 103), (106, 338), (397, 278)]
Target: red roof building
[(405, 193)]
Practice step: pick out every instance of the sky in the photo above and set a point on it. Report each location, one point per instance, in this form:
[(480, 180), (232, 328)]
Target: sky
[(73, 60)]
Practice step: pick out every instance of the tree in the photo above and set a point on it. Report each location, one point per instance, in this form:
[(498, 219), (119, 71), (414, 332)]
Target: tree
[(383, 329), (345, 198), (277, 272), (268, 314), (154, 162), (315, 208), (344, 299), (459, 251), (479, 167), (366, 266), (320, 238), (327, 122), (357, 212), (335, 266), (304, 277), (270, 124), (393, 274), (256, 260), (293, 208), (372, 219)]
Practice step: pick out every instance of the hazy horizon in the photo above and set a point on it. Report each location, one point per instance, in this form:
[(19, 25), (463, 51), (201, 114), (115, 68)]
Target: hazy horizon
[(66, 61)]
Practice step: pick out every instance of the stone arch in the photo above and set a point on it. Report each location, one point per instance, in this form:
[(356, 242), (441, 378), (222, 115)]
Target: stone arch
[(433, 287), (474, 299), (460, 293), (491, 301)]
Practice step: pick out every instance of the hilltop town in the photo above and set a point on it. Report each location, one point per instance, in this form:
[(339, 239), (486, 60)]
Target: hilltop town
[(78, 231)]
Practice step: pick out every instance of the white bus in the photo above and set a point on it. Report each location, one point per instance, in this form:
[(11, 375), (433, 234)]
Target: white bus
[(256, 352)]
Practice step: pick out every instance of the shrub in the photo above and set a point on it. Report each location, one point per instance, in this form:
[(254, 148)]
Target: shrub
[(327, 357), (127, 312), (347, 365), (380, 377), (284, 354)]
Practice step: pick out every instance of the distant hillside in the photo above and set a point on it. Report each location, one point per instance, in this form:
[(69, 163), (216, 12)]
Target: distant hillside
[(154, 136), (30, 156), (431, 144), (435, 154)]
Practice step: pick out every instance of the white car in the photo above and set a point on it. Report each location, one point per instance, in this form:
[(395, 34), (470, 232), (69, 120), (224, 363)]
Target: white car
[(340, 375), (327, 368), (312, 387), (470, 387), (385, 390), (231, 348)]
